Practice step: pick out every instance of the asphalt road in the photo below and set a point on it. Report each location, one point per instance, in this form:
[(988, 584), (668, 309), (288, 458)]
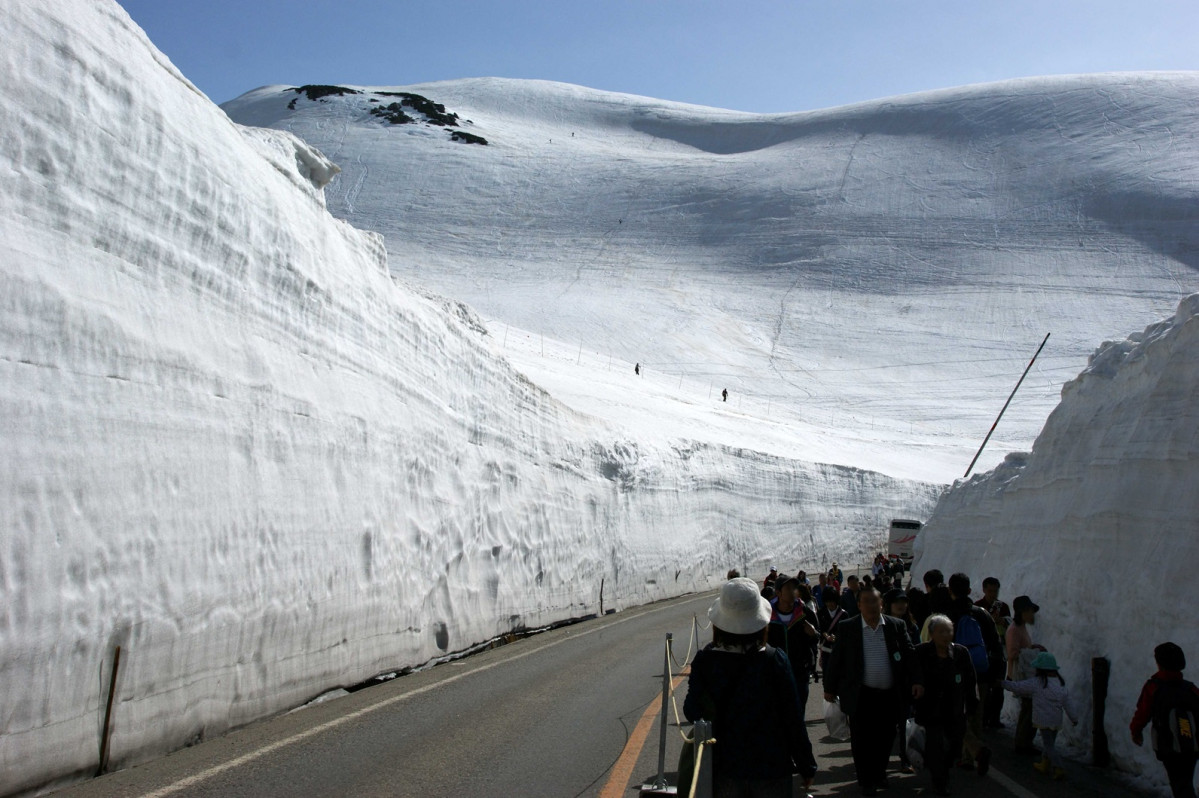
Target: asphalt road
[(571, 712), (545, 716)]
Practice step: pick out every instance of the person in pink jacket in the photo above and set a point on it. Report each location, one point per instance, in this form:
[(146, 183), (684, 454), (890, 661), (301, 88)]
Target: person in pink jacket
[(1018, 642)]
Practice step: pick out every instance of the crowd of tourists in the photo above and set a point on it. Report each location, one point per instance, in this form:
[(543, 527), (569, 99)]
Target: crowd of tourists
[(930, 666)]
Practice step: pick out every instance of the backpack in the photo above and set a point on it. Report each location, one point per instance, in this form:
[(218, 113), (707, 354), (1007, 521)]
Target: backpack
[(1175, 714), (969, 634)]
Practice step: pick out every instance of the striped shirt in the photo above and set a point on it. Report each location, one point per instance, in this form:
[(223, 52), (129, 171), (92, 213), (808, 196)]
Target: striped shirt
[(877, 660)]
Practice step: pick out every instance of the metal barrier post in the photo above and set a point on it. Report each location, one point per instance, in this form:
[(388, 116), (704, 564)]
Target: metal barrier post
[(660, 782), (660, 786), (701, 781)]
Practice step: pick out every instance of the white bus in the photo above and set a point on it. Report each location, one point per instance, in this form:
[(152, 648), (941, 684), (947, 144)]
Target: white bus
[(902, 539)]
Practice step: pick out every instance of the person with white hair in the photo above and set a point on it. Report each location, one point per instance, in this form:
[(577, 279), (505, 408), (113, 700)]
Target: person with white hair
[(950, 695), (747, 690)]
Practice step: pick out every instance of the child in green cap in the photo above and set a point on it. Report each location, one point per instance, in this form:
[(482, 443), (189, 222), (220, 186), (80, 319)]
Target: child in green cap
[(1047, 689)]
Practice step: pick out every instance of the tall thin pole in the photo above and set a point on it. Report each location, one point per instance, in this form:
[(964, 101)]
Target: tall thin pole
[(1027, 369), (112, 689), (660, 782)]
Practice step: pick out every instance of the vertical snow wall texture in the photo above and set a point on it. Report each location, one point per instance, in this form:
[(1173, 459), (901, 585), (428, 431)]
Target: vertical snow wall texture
[(1100, 523), (236, 448)]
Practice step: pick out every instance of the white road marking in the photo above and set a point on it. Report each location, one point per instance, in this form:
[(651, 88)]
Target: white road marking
[(216, 770), (1011, 786)]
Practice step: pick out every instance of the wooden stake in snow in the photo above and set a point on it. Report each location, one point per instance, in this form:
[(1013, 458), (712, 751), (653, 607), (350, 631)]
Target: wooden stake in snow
[(1027, 369), (112, 689)]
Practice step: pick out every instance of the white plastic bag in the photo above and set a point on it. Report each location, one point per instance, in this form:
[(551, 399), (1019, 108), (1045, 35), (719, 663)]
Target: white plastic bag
[(914, 739), (836, 721)]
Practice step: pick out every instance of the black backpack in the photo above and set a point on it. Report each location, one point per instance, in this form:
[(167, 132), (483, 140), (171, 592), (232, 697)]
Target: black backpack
[(1175, 714)]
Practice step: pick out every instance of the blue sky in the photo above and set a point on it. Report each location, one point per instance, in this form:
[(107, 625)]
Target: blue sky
[(783, 55)]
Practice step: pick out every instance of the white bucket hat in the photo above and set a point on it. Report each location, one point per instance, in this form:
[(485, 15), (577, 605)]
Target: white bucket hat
[(740, 610)]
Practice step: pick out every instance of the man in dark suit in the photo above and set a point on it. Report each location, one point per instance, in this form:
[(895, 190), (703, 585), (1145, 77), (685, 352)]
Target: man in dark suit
[(873, 663)]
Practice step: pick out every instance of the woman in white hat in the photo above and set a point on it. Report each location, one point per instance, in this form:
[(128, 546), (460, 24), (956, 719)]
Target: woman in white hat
[(748, 692)]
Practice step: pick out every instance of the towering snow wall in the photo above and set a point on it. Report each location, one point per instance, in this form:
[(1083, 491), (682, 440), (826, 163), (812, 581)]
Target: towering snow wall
[(1100, 523), (236, 448)]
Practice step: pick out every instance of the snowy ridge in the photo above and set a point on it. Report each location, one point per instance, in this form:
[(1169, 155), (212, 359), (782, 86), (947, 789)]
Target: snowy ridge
[(238, 449), (875, 275), (1100, 522)]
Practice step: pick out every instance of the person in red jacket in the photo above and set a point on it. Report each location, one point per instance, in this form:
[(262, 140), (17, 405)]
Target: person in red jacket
[(1171, 704)]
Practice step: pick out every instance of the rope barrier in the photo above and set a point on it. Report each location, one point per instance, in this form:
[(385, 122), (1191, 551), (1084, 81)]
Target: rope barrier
[(674, 703), (701, 775), (690, 645), (697, 774)]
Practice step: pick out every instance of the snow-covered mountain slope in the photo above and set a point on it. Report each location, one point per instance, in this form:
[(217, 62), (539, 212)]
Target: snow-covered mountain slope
[(1100, 523), (867, 281), (235, 447)]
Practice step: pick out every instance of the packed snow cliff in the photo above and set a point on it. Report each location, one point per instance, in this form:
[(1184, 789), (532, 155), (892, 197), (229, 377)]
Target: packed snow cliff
[(236, 448), (868, 282), (1099, 523)]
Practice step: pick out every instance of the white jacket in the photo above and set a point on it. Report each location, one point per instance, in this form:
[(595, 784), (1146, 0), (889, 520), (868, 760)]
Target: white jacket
[(1048, 700)]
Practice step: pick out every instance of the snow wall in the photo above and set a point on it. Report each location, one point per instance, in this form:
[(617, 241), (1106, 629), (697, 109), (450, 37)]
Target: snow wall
[(235, 447), (1099, 524)]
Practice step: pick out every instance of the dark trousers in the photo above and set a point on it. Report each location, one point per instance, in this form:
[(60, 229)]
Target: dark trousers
[(872, 734), (803, 687), (941, 748), (1024, 730), (905, 712), (1181, 772), (992, 696)]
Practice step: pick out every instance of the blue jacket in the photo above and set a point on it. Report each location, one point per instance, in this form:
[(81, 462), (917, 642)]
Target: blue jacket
[(753, 704)]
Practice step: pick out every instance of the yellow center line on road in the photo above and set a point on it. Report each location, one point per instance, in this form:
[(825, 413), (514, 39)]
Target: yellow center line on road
[(216, 770), (618, 781)]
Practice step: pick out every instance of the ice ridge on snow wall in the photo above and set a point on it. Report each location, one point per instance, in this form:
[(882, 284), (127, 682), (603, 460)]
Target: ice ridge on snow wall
[(235, 447), (1099, 523)]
